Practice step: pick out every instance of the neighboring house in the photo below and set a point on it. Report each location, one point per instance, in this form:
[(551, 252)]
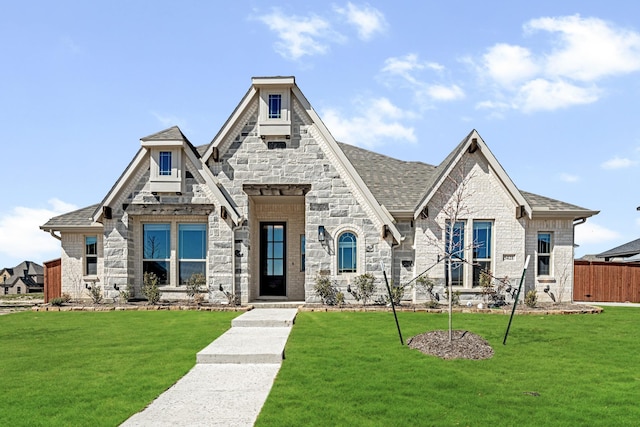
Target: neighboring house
[(274, 201), (26, 277), (629, 252)]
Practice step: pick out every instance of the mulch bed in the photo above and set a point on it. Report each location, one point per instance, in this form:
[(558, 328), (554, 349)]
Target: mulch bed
[(463, 345)]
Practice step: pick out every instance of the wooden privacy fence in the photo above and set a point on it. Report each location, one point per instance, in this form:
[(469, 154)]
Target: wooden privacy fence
[(606, 281), (52, 279)]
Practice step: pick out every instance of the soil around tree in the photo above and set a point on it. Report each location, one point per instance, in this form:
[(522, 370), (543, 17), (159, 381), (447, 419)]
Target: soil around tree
[(463, 345)]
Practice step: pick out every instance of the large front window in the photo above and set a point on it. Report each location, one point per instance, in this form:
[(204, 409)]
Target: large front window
[(544, 254), (481, 249), (347, 253), (192, 250), (157, 250), (454, 250)]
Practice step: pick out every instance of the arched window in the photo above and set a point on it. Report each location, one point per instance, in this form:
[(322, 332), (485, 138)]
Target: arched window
[(347, 253)]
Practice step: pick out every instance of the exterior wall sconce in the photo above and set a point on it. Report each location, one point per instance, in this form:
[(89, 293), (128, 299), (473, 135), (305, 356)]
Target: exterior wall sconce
[(321, 233)]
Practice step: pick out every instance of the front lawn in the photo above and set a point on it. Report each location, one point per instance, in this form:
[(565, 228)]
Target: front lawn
[(96, 368), (349, 369)]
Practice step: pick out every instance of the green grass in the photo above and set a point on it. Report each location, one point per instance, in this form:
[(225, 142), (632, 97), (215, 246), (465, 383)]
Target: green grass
[(88, 368), (349, 369)]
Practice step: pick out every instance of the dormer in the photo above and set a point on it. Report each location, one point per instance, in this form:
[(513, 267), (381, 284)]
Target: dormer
[(166, 167), (274, 117)]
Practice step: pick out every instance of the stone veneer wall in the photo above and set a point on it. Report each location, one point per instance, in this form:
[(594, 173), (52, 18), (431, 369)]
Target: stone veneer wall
[(487, 199), (331, 201)]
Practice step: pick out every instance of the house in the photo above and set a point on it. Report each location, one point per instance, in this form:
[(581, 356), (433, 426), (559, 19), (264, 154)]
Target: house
[(274, 201), (628, 252), (26, 277)]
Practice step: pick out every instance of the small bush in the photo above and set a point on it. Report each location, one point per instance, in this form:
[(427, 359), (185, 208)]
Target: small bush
[(326, 290), (66, 297), (56, 301), (363, 287), (195, 287), (397, 293), (531, 298), (455, 298), (150, 288), (95, 292), (426, 284)]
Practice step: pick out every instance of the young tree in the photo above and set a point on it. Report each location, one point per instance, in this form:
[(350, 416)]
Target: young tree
[(453, 195)]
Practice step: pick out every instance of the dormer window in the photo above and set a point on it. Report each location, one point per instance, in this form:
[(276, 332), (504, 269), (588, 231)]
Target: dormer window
[(275, 106), (166, 170), (164, 163)]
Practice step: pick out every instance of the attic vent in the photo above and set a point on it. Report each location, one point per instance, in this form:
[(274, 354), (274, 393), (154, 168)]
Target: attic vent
[(216, 154), (274, 145)]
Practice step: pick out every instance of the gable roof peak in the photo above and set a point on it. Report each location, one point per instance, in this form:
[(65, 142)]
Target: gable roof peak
[(170, 134)]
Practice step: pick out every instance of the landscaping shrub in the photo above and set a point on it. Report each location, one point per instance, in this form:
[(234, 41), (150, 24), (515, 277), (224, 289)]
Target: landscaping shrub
[(326, 290), (363, 287), (56, 301), (95, 292), (426, 284), (531, 298), (150, 288), (195, 287)]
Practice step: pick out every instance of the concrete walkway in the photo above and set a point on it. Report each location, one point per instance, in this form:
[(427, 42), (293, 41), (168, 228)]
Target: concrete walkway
[(232, 377)]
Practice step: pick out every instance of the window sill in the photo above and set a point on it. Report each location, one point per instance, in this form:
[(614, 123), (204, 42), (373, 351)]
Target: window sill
[(91, 278), (546, 279)]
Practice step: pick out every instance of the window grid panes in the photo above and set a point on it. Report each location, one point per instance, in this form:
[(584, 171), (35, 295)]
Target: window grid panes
[(275, 106), (165, 163), (347, 253), (156, 248), (91, 255), (192, 250), (481, 249), (454, 248), (544, 254)]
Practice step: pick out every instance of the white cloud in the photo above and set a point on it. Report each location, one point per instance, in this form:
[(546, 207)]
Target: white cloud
[(403, 72), (545, 95), (508, 64), (299, 35), (366, 19), (588, 48), (592, 233), (567, 177), (444, 93), (618, 163), (20, 236), (378, 119), (565, 73)]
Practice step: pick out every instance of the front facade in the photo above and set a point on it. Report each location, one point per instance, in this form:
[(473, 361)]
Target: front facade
[(274, 201)]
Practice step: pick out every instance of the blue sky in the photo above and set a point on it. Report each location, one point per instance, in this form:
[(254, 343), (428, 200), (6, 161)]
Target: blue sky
[(552, 87)]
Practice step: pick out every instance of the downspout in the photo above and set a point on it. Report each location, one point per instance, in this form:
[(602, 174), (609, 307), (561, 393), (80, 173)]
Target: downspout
[(55, 235)]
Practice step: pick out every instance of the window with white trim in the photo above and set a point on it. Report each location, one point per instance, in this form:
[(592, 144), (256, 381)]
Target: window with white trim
[(545, 248), (482, 247), (164, 163), (454, 250), (192, 251), (347, 253), (156, 248), (275, 106), (91, 255)]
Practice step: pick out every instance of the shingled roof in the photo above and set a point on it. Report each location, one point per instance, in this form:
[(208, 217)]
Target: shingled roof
[(78, 218), (400, 185), (626, 250)]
